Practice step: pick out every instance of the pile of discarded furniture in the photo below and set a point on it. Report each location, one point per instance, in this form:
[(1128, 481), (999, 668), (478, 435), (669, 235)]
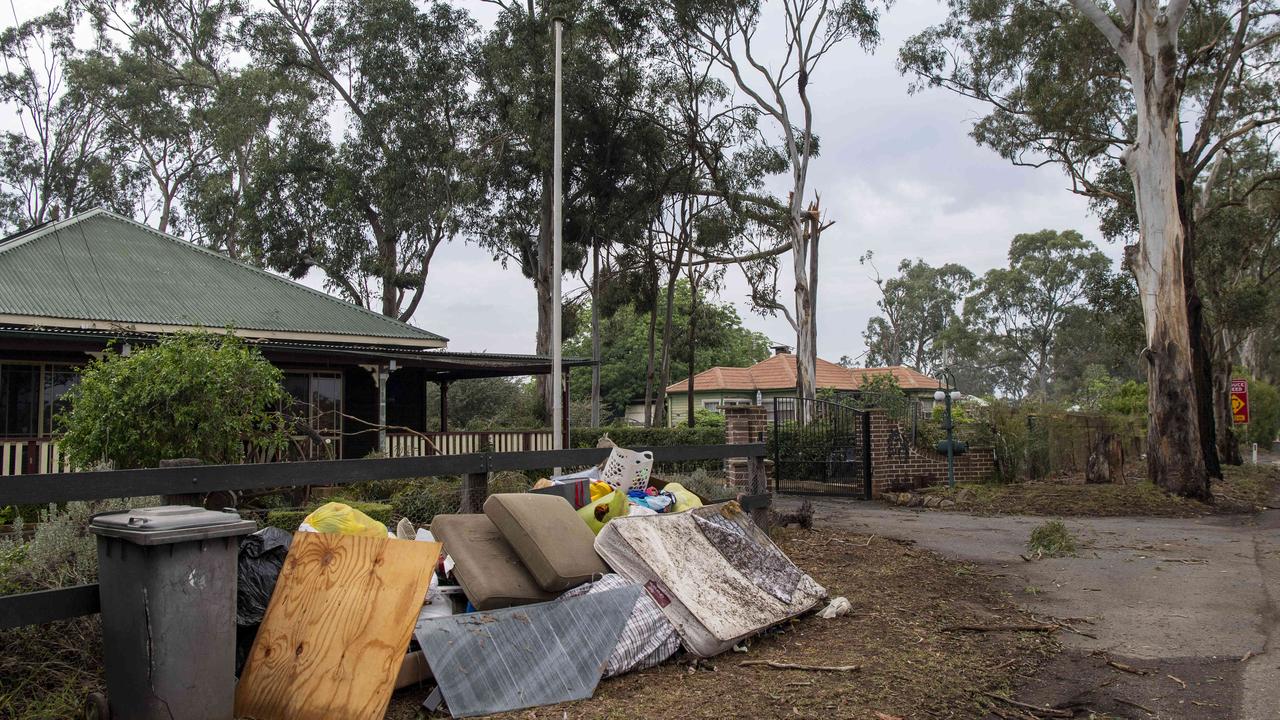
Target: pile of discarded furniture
[(531, 602)]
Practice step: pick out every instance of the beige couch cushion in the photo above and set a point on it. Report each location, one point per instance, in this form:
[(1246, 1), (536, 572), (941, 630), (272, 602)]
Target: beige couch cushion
[(485, 565), (546, 533)]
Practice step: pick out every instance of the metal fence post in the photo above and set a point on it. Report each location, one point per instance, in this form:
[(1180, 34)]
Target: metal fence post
[(867, 486), (475, 488), (758, 485)]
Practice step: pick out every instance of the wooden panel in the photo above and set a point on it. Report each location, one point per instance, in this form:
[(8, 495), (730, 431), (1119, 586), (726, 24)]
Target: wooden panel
[(337, 628)]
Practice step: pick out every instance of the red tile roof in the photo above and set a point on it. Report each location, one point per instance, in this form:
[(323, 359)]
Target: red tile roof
[(779, 373), (908, 378)]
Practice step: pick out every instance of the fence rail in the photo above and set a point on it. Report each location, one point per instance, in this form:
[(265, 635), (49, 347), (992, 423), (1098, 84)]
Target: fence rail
[(65, 603)]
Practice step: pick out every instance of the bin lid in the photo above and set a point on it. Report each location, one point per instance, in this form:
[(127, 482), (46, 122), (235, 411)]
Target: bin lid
[(170, 524)]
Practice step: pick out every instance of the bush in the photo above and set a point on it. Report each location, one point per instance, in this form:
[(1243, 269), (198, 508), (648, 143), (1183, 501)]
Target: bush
[(45, 670), (191, 395), (422, 500), (700, 483), (289, 520), (630, 436)]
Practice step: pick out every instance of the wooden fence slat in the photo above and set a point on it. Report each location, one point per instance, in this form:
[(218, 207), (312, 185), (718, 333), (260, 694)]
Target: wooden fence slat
[(46, 606)]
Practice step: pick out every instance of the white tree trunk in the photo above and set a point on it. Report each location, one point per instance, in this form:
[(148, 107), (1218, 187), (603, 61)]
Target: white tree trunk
[(1175, 458)]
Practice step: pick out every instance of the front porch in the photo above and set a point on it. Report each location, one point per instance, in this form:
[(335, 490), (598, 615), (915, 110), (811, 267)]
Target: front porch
[(348, 401)]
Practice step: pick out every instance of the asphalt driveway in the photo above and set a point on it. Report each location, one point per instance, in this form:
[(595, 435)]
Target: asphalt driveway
[(1189, 604)]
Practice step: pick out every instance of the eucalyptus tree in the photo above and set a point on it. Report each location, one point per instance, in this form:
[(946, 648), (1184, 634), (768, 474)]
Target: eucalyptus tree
[(612, 157), (171, 79), (728, 34), (1017, 311), (59, 160), (1238, 271), (378, 176), (1135, 104), (916, 307)]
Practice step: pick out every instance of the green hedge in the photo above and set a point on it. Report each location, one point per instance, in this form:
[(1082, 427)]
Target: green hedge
[(289, 520), (632, 436), (421, 500), (636, 436)]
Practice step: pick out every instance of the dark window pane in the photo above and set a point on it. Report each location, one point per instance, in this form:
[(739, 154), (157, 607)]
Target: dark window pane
[(57, 381), (326, 402), (19, 400), (298, 387)]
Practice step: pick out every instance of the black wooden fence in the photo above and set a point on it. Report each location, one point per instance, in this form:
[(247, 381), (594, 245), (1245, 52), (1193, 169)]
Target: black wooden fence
[(65, 603)]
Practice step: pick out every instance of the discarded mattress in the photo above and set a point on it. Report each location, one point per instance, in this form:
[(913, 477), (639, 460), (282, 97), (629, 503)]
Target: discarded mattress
[(489, 662), (716, 576)]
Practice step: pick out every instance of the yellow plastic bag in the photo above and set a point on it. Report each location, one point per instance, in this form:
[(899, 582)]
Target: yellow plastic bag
[(344, 520), (600, 489), (599, 512), (685, 500)]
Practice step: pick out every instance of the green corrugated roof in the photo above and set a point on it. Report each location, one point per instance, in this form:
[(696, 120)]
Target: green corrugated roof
[(100, 268)]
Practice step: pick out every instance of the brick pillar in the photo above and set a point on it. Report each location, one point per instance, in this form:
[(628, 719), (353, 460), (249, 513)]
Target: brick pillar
[(743, 424)]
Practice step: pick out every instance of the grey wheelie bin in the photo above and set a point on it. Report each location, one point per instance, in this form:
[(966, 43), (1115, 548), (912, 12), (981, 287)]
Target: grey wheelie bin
[(167, 582)]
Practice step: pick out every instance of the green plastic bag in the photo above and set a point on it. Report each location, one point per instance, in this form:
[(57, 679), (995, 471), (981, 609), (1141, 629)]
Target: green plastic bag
[(599, 512)]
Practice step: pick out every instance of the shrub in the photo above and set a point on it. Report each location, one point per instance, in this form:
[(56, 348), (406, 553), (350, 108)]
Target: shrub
[(421, 500), (630, 436), (45, 670), (702, 484), (289, 520), (191, 395), (508, 481)]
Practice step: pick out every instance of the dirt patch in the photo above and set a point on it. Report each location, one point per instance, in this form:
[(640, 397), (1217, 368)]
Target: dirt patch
[(1245, 489), (903, 597), (1171, 688)]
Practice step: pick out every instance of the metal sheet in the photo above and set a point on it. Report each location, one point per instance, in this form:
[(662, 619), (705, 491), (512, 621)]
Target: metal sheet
[(521, 657)]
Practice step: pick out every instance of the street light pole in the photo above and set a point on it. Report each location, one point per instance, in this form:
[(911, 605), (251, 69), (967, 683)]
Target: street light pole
[(557, 222), (947, 395)]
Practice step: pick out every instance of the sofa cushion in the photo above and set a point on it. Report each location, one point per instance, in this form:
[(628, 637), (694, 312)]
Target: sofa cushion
[(546, 533), (485, 566)]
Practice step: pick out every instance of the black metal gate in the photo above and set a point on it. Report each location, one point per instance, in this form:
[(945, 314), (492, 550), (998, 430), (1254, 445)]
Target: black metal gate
[(820, 448)]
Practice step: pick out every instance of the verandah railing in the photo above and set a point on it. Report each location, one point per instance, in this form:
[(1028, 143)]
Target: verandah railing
[(64, 603), (468, 441), (29, 456)]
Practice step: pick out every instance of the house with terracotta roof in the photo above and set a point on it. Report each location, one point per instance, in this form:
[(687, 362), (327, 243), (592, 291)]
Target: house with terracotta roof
[(719, 387)]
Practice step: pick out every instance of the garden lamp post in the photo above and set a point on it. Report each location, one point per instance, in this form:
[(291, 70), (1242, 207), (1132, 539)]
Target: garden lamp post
[(947, 394)]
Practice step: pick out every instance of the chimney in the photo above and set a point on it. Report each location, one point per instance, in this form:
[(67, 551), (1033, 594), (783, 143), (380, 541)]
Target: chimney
[(781, 349)]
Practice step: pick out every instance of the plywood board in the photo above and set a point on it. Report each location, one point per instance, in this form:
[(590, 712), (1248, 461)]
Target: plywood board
[(336, 630), (498, 660)]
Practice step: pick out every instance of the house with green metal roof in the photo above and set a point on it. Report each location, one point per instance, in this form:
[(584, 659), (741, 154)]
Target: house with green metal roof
[(71, 287)]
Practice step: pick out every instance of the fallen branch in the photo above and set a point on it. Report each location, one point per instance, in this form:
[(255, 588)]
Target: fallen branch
[(1128, 668), (1001, 628), (1041, 711), (793, 666), (1178, 680), (1131, 703)]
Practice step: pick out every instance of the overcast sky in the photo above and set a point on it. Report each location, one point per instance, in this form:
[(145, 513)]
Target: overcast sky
[(898, 174)]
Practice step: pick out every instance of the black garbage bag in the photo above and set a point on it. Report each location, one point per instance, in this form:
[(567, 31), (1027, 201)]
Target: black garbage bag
[(261, 557)]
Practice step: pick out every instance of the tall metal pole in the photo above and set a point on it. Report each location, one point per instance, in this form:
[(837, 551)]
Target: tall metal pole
[(557, 221)]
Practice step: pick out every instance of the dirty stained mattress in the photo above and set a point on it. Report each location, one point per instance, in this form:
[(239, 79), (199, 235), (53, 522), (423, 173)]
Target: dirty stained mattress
[(716, 576)]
